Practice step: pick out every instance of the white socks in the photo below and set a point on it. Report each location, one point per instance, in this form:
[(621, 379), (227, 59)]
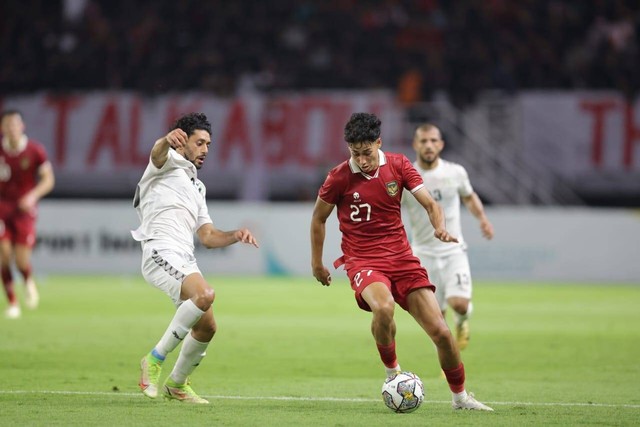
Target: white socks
[(391, 371), (190, 356), (186, 316), (459, 397)]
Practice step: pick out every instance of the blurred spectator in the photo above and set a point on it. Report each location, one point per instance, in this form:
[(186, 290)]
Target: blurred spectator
[(225, 47)]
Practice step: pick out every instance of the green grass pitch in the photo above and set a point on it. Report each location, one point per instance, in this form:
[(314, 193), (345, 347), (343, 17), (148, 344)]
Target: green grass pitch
[(291, 353)]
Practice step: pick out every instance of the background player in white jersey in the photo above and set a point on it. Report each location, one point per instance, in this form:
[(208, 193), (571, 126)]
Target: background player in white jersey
[(170, 201), (448, 264)]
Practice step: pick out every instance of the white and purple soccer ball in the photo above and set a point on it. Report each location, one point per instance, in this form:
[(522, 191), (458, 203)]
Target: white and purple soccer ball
[(403, 392)]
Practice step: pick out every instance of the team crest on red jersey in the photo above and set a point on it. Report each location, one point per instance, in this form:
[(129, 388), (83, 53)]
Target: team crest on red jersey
[(392, 188), (24, 164)]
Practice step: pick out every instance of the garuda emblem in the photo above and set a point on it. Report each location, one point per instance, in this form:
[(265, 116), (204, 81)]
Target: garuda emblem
[(392, 188)]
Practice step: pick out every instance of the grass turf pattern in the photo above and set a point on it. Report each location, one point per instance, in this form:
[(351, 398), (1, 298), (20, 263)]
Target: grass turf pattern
[(291, 352)]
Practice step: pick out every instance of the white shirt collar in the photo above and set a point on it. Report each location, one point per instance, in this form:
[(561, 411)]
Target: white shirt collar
[(421, 170), (181, 161), (382, 158)]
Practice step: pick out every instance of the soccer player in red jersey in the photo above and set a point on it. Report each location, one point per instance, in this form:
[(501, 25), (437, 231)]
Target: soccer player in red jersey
[(367, 189), (25, 176)]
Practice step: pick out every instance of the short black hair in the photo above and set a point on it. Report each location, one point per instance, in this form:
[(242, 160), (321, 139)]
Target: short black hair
[(362, 127), (192, 122)]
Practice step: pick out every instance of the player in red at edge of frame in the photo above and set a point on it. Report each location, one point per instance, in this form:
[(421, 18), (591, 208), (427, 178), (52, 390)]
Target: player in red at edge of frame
[(377, 257), (26, 176)]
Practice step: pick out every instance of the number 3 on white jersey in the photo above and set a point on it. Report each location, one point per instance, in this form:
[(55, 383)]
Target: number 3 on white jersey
[(357, 279), (355, 212)]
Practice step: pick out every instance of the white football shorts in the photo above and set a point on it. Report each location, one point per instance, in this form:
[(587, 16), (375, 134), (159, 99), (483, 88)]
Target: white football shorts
[(450, 274), (166, 268)]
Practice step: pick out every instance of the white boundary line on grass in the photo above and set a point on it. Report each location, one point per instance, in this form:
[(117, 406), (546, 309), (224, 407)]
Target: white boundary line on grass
[(312, 399)]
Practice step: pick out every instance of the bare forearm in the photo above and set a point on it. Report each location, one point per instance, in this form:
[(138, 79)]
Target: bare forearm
[(317, 243), (211, 237), (474, 205), (159, 152), (321, 212), (436, 215), (219, 239), (320, 272), (44, 186)]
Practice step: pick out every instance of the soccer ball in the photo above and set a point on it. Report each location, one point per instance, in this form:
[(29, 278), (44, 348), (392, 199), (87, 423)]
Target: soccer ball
[(403, 392)]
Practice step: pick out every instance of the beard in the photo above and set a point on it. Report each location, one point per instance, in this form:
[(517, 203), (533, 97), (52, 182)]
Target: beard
[(430, 160)]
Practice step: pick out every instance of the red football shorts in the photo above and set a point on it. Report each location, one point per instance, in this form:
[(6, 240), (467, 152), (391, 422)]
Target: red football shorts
[(17, 226), (402, 276)]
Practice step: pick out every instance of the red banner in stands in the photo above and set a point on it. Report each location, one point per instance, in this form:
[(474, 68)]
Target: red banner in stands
[(277, 146)]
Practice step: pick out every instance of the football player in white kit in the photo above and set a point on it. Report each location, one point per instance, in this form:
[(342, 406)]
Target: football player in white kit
[(170, 202), (447, 263)]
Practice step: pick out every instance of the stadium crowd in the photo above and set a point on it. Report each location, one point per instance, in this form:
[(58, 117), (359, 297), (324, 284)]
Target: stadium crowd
[(227, 47)]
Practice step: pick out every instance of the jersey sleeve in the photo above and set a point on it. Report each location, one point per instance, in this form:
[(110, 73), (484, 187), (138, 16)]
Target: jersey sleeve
[(464, 184), (203, 216), (203, 211), (412, 179), (40, 155), (330, 191), (169, 164)]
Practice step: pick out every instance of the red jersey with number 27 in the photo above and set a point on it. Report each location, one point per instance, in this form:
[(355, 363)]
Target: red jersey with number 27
[(368, 206)]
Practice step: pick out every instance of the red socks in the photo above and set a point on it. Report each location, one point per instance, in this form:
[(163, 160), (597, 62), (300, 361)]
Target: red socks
[(455, 378), (388, 354), (7, 281)]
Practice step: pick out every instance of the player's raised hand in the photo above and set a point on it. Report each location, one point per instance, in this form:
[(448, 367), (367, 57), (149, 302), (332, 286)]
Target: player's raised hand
[(244, 235), (177, 138), (444, 236), (322, 275)]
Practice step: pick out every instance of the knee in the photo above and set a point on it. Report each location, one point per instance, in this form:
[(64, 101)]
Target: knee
[(459, 305), (384, 310), (23, 265), (441, 336), (204, 298)]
